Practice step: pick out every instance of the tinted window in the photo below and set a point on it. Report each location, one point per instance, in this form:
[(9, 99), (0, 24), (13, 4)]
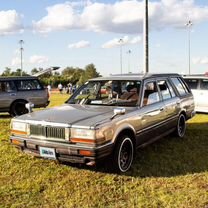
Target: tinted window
[(28, 84), (151, 94), (192, 83), (180, 87), (165, 89), (7, 86), (204, 84)]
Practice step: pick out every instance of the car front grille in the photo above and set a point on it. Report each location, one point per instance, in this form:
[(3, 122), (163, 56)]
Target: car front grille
[(47, 131)]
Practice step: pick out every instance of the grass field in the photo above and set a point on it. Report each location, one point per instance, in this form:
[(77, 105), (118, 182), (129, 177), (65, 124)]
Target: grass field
[(169, 173)]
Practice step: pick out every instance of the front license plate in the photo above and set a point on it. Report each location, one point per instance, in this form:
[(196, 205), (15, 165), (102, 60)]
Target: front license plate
[(47, 152)]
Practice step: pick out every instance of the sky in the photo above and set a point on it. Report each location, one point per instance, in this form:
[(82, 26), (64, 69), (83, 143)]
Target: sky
[(79, 32)]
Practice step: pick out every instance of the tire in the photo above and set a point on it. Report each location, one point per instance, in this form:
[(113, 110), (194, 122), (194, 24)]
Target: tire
[(122, 155), (181, 126), (18, 108)]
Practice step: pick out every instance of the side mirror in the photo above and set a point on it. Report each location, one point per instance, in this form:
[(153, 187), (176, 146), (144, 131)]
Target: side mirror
[(118, 111), (29, 107)]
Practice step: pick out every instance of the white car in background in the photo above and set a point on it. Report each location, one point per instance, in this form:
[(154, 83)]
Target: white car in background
[(199, 87)]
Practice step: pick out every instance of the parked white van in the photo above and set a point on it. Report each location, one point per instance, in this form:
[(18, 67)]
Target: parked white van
[(199, 87)]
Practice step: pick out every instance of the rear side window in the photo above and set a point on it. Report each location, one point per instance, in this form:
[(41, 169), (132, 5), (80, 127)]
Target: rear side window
[(28, 85), (204, 84), (165, 89), (180, 86), (7, 86), (192, 83)]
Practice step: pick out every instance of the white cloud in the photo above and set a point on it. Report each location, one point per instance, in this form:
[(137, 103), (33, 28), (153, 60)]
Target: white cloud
[(80, 44), (60, 16), (120, 17), (38, 59), (200, 60), (16, 61), (136, 40), (11, 22), (121, 41)]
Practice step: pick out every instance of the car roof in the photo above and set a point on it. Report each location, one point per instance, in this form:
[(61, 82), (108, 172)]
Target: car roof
[(2, 78), (132, 76)]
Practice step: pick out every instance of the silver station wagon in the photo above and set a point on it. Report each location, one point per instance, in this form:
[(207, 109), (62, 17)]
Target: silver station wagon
[(15, 92), (107, 118)]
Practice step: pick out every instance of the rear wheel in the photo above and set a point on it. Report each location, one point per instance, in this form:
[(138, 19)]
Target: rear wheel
[(123, 154), (18, 108), (181, 126)]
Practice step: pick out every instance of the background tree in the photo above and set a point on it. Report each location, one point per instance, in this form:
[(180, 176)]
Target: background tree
[(89, 73), (6, 72), (34, 71)]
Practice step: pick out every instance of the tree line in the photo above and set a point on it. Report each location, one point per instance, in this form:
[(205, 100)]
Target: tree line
[(73, 75)]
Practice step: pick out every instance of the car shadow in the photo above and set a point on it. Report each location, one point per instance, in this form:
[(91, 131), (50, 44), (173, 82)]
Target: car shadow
[(174, 156), (170, 156), (4, 116)]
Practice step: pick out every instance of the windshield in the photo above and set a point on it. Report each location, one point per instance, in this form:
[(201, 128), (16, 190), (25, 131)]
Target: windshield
[(108, 92)]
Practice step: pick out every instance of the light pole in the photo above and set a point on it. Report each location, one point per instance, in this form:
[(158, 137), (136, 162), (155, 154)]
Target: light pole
[(146, 37), (21, 42), (129, 53), (188, 25), (120, 42)]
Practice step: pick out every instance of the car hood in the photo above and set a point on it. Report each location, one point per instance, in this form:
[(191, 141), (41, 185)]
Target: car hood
[(73, 115)]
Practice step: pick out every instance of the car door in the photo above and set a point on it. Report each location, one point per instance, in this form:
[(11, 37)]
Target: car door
[(32, 91), (152, 113), (171, 104), (7, 94), (193, 84), (202, 94)]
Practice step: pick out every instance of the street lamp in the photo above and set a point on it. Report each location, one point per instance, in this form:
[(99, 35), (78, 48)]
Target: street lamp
[(188, 25), (120, 42), (21, 42), (129, 53), (145, 37)]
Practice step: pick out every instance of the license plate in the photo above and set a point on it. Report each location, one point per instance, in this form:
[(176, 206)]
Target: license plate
[(47, 152)]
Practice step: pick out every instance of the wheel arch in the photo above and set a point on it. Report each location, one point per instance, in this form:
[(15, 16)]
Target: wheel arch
[(184, 113), (126, 131), (18, 100)]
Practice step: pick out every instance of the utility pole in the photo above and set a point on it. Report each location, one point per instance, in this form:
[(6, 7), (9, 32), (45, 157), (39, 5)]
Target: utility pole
[(121, 42), (21, 42), (188, 25), (145, 37)]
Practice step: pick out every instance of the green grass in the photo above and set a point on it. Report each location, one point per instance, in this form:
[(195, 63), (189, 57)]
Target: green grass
[(169, 173)]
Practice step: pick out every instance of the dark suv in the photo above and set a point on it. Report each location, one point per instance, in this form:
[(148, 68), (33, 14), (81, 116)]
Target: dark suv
[(15, 92)]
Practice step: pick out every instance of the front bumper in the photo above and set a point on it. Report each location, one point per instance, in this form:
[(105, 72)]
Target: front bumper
[(64, 151)]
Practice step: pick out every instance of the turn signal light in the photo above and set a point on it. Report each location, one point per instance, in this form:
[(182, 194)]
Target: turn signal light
[(85, 152), (17, 132), (87, 141), (16, 142)]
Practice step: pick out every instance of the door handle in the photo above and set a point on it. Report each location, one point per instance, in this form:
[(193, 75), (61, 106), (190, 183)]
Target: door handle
[(12, 94)]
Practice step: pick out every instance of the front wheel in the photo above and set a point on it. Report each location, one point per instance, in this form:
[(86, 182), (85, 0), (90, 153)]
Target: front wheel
[(123, 155), (181, 126)]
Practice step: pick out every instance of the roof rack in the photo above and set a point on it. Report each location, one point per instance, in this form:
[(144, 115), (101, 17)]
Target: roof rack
[(146, 74)]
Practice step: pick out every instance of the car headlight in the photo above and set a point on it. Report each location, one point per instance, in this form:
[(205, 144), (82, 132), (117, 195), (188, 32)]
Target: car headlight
[(83, 136), (19, 128)]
